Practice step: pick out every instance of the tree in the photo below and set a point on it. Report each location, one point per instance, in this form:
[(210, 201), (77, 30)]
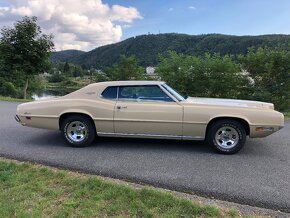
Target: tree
[(207, 76), (270, 70), (126, 69), (78, 71), (24, 51), (66, 68)]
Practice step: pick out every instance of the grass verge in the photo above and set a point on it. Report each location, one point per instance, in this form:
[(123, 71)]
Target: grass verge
[(29, 190), (5, 98)]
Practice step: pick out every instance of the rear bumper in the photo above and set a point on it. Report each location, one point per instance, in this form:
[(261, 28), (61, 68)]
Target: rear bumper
[(17, 119)]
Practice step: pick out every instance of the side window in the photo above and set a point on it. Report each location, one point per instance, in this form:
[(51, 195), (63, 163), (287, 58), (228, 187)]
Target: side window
[(143, 93), (110, 93)]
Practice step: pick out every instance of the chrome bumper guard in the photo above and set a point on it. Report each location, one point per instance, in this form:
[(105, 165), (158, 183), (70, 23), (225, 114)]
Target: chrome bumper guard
[(17, 118)]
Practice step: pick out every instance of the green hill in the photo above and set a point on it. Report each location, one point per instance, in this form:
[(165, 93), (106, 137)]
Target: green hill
[(147, 47), (65, 55)]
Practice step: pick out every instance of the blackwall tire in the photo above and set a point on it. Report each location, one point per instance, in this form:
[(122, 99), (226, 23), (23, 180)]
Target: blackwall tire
[(226, 136), (78, 131)]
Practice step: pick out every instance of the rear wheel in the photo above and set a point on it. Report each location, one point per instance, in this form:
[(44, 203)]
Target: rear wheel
[(78, 131), (226, 136)]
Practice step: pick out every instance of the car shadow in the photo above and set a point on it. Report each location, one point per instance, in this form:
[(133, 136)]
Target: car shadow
[(45, 138), (152, 144), (54, 138)]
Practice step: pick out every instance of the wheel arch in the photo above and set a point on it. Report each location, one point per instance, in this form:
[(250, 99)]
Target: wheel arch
[(242, 121), (66, 114)]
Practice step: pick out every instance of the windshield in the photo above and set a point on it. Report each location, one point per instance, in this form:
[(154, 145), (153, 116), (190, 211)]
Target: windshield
[(173, 92)]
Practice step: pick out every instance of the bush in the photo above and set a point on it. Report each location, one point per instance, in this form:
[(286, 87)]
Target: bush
[(7, 89), (69, 82), (55, 78)]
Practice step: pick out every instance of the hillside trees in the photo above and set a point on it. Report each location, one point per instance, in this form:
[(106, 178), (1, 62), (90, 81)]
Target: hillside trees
[(147, 47), (24, 52)]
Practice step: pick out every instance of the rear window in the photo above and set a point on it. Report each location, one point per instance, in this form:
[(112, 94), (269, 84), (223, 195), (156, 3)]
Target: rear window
[(110, 92)]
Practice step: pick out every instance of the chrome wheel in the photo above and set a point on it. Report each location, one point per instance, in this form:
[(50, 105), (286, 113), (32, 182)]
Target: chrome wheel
[(227, 137), (77, 131)]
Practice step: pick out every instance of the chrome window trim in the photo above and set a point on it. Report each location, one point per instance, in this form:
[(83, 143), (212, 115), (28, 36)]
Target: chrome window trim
[(118, 87), (168, 93), (162, 85), (158, 85)]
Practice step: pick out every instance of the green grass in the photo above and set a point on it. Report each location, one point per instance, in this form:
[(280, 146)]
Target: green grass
[(28, 190), (287, 115), (4, 98), (69, 85)]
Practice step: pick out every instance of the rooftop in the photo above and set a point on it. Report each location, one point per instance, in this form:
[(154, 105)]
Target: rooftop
[(130, 82)]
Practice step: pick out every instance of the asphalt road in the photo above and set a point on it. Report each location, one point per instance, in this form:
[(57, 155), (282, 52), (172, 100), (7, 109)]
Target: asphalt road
[(259, 175)]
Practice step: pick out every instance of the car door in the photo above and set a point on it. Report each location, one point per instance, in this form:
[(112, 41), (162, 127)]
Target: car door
[(147, 111)]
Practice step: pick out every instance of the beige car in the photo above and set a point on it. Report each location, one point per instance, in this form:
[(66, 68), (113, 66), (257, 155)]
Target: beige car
[(151, 109)]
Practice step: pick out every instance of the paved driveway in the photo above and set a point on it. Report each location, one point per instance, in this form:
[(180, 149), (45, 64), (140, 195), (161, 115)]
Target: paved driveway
[(259, 175)]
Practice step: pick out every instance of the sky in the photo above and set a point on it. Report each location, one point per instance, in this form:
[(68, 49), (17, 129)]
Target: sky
[(87, 24)]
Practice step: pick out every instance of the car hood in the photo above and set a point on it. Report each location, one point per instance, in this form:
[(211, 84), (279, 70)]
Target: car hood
[(229, 102)]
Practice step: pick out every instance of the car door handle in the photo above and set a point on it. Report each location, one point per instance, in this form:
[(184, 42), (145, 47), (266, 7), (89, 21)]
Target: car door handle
[(121, 107)]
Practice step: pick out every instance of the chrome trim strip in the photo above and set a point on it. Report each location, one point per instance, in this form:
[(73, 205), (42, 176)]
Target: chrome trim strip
[(150, 135), (147, 121), (193, 137), (40, 116), (188, 122), (103, 119)]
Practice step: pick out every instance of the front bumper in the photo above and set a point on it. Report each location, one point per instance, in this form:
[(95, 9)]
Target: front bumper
[(263, 131)]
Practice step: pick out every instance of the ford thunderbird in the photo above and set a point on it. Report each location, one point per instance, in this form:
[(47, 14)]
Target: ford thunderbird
[(150, 109)]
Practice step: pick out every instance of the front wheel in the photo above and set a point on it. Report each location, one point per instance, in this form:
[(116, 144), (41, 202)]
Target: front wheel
[(78, 131), (226, 136)]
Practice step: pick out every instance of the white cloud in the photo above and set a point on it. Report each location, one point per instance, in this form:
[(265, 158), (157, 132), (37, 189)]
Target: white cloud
[(22, 11), (192, 8), (3, 10), (170, 9), (124, 14), (78, 24)]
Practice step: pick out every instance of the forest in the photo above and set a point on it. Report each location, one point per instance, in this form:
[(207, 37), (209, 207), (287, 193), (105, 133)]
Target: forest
[(147, 48)]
